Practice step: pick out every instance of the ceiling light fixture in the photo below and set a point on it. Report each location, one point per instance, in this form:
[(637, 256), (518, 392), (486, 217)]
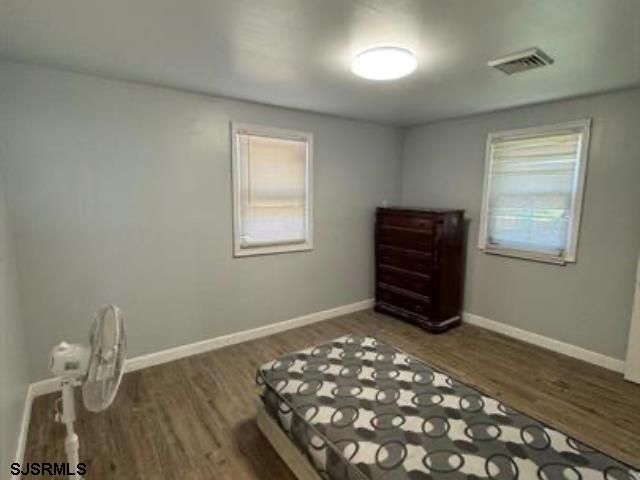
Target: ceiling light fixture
[(384, 63)]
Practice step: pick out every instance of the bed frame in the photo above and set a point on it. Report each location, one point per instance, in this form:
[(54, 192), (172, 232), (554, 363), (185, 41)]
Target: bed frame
[(289, 453)]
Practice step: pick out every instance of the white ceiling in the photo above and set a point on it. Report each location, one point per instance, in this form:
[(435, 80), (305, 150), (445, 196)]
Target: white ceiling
[(296, 53)]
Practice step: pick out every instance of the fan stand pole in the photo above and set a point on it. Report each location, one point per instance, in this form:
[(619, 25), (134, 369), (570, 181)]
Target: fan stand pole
[(71, 444)]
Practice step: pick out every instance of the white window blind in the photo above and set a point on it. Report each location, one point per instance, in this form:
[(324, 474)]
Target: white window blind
[(533, 188), (272, 170)]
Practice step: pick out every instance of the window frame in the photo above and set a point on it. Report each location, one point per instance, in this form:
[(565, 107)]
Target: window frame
[(239, 128), (570, 253)]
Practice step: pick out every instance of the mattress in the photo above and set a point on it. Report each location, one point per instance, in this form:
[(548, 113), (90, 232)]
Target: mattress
[(359, 408)]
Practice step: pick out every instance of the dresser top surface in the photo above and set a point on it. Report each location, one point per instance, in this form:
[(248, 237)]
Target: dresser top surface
[(398, 209)]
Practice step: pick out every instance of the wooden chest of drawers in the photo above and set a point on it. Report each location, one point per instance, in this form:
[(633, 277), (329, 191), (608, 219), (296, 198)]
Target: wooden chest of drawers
[(420, 265)]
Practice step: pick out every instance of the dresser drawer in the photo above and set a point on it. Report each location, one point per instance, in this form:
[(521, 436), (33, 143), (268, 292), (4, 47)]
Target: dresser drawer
[(401, 313), (410, 303), (405, 239), (413, 282), (404, 221), (407, 260)]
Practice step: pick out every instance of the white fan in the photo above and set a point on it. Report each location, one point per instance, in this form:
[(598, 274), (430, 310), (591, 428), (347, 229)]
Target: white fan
[(98, 368)]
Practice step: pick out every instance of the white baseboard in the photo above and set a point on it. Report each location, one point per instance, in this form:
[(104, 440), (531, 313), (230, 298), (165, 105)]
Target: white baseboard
[(24, 429), (183, 351), (156, 358), (546, 342), (43, 387)]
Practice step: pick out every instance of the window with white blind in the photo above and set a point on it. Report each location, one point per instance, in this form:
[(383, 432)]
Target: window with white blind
[(272, 190), (533, 186)]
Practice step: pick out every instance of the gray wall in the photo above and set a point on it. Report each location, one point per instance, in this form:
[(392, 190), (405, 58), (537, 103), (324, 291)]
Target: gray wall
[(13, 358), (121, 193), (588, 303)]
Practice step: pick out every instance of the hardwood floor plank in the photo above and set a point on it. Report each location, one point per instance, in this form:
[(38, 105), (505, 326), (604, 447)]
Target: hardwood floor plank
[(193, 419)]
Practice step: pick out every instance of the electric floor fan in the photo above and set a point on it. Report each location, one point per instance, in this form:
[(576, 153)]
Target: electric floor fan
[(97, 368)]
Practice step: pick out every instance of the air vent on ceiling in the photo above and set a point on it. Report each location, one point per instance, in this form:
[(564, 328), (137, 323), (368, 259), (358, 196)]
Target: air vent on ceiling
[(522, 61)]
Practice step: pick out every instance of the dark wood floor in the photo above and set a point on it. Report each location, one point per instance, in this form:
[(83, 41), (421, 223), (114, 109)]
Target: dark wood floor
[(193, 419)]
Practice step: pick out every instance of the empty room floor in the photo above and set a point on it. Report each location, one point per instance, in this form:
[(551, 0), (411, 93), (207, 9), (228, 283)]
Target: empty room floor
[(194, 418)]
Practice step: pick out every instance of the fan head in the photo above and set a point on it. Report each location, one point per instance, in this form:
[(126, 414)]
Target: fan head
[(106, 360)]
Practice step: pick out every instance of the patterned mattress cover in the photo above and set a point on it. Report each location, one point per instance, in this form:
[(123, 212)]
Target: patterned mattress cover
[(361, 409)]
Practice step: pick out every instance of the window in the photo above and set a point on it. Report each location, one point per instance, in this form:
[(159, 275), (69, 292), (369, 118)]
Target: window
[(533, 187), (272, 190)]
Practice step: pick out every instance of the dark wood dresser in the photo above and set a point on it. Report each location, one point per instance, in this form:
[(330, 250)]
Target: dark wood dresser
[(420, 265)]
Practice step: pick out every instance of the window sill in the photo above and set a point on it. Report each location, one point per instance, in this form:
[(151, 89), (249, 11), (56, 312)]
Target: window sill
[(524, 255), (271, 249)]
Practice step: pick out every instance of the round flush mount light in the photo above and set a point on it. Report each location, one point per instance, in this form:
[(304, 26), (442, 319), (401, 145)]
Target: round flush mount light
[(384, 63)]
